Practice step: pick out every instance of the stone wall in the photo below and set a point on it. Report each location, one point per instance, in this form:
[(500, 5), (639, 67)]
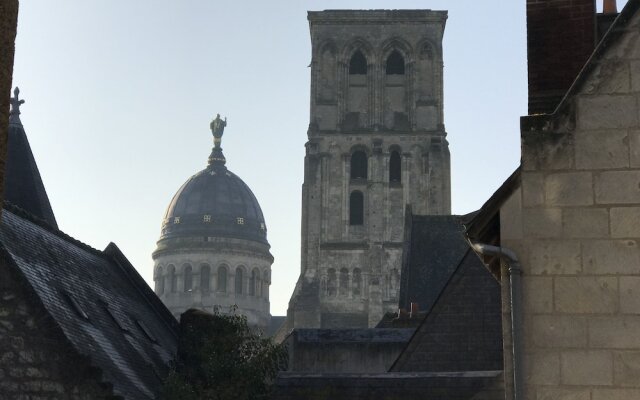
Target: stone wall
[(354, 267), (36, 362), (206, 291), (345, 350), (575, 225)]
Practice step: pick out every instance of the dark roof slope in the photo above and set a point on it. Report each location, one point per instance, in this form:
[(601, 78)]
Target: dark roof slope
[(101, 304), (22, 182), (463, 330), (435, 246)]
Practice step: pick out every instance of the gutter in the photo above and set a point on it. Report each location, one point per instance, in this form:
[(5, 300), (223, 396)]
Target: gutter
[(515, 283)]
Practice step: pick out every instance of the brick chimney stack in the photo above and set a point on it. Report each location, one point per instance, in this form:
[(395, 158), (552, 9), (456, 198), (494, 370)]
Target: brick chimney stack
[(561, 35), (610, 7)]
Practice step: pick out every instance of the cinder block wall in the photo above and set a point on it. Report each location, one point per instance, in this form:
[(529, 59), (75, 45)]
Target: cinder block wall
[(575, 224)]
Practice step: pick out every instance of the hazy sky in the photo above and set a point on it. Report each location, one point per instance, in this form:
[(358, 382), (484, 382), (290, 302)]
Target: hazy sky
[(119, 96)]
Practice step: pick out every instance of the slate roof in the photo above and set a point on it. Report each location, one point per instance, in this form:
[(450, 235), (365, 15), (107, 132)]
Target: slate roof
[(101, 304), (22, 182), (435, 245), (463, 329), (275, 323)]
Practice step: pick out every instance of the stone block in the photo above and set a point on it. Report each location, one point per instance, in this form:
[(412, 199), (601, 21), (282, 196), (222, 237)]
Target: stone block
[(615, 394), (511, 217), (586, 295), (619, 332), (542, 222), (635, 75), (538, 294), (555, 257), (558, 331), (602, 149), (607, 112), (554, 393), (625, 222), (532, 189), (601, 257), (630, 294), (617, 187), (585, 222), (569, 189), (626, 366), (542, 368), (591, 367), (634, 147)]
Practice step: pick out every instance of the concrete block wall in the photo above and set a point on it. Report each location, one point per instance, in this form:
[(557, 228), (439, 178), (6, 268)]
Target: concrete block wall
[(575, 225)]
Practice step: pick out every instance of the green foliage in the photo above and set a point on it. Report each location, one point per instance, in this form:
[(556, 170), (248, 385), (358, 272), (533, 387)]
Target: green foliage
[(219, 358)]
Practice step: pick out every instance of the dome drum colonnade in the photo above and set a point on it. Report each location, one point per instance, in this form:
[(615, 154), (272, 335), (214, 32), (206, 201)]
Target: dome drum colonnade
[(213, 250)]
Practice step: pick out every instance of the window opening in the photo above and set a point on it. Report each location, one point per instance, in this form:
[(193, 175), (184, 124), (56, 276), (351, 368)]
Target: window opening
[(356, 208), (395, 167), (359, 165), (205, 276), (188, 278), (395, 64), (358, 64)]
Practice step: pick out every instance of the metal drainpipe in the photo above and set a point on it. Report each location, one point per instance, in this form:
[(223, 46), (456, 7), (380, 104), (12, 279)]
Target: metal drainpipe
[(515, 277)]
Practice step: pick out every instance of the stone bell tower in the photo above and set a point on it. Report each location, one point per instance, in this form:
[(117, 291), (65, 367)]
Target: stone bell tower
[(377, 144)]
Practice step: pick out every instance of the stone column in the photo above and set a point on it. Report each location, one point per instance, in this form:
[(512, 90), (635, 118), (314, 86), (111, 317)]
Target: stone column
[(8, 29)]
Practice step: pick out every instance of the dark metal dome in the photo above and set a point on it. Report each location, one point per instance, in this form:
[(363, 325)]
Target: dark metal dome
[(214, 203)]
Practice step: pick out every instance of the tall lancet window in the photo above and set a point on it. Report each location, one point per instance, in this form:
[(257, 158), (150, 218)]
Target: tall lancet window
[(356, 208), (188, 278), (395, 64), (359, 165), (358, 64), (239, 280), (205, 276), (395, 167)]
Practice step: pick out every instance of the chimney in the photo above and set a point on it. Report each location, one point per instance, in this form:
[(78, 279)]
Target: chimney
[(609, 7), (561, 35), (606, 18), (414, 310)]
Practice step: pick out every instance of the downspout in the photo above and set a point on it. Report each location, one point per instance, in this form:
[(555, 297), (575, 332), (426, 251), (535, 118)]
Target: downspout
[(515, 278)]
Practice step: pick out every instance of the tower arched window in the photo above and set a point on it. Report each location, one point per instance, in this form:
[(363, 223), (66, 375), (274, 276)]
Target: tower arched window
[(359, 165), (239, 279), (331, 282), (159, 281), (344, 282), (173, 278), (395, 64), (188, 278), (395, 167), (358, 64), (356, 208), (356, 285), (205, 278), (252, 283), (222, 278)]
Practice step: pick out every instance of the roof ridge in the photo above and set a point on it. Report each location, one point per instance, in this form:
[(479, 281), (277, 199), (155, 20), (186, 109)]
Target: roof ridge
[(24, 214)]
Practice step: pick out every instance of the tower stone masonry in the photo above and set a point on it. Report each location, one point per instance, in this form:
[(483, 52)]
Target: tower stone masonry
[(376, 144)]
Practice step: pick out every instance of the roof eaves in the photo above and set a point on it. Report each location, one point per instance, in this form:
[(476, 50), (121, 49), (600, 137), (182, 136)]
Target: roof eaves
[(491, 207)]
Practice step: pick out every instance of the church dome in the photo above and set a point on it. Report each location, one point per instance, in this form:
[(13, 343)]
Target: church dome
[(214, 203)]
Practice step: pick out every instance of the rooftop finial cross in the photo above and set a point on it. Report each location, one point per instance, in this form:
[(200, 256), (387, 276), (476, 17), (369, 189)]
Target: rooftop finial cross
[(15, 106)]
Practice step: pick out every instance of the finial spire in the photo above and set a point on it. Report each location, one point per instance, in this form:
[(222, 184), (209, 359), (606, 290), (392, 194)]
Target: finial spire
[(217, 129), (16, 102)]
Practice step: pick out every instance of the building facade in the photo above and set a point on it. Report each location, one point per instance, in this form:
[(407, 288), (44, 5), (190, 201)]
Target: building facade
[(376, 144), (213, 251)]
